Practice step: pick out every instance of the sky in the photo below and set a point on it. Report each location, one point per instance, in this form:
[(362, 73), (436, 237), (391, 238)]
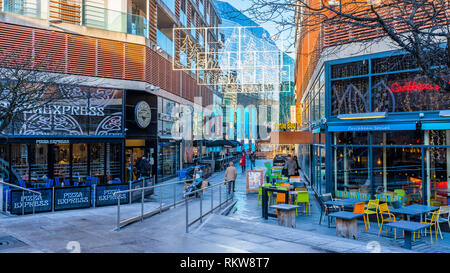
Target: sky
[(245, 4)]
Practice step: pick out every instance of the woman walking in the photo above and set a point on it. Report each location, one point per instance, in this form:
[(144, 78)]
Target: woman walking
[(242, 162)]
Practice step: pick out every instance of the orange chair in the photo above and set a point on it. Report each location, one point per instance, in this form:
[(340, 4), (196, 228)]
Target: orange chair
[(281, 198), (360, 208)]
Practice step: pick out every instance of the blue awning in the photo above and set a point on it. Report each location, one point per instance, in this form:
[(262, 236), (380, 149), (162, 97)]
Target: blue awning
[(436, 126), (373, 127)]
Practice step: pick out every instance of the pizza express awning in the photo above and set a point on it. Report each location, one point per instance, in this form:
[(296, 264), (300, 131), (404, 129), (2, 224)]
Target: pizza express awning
[(303, 137)]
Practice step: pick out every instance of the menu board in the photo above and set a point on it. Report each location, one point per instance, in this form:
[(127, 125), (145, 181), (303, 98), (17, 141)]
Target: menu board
[(254, 180)]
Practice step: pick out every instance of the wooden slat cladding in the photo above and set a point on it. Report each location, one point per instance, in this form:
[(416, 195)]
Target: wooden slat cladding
[(67, 10), (88, 56), (110, 59), (81, 55), (50, 50), (16, 45)]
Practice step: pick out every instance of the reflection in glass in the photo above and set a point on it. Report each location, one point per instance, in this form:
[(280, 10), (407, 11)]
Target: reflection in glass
[(19, 161), (61, 161), (79, 165), (352, 169), (39, 163)]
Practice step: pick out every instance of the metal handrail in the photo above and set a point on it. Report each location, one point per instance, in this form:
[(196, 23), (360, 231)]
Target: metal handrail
[(23, 195), (200, 218), (142, 189)]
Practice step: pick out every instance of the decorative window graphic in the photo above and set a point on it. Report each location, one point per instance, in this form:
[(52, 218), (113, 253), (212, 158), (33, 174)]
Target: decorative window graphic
[(78, 111), (350, 96)]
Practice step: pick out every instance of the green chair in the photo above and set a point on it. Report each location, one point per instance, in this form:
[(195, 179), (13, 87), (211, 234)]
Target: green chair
[(303, 197), (269, 194)]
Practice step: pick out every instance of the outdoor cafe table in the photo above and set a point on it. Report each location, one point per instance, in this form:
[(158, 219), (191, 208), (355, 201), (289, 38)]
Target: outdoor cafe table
[(346, 223), (413, 210), (408, 227), (265, 200)]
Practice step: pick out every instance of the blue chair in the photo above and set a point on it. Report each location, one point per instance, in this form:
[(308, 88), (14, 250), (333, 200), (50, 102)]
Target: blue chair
[(66, 182), (57, 182), (49, 183), (94, 180), (75, 184), (22, 183)]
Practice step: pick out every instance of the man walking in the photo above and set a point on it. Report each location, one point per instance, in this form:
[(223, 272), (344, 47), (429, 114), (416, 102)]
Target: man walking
[(252, 160), (144, 167), (230, 176), (291, 166)]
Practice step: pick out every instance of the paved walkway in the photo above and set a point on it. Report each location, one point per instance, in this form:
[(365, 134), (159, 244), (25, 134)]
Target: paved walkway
[(243, 230)]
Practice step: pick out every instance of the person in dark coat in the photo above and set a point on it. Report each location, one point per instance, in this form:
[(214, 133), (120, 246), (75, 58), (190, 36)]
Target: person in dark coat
[(144, 167)]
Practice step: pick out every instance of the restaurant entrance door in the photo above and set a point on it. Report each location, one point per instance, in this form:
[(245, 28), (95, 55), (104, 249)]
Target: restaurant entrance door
[(134, 150)]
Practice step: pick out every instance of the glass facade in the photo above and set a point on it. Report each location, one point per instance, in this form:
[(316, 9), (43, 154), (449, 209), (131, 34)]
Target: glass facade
[(410, 162)]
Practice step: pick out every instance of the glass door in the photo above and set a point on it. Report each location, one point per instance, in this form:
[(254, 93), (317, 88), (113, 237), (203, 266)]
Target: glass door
[(132, 155)]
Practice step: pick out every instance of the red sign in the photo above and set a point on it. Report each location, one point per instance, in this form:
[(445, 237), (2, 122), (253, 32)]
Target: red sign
[(413, 86)]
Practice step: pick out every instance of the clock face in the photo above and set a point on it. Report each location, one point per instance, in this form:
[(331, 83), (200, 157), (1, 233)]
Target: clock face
[(143, 114)]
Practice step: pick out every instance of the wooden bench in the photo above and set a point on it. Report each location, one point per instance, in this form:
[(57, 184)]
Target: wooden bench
[(286, 214), (346, 223)]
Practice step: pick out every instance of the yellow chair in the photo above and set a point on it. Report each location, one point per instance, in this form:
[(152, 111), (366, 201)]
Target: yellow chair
[(372, 208), (387, 217), (432, 222)]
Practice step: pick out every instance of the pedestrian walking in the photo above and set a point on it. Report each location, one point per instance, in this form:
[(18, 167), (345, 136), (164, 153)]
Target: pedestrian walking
[(242, 162), (297, 173), (252, 160), (290, 166), (143, 167), (230, 176)]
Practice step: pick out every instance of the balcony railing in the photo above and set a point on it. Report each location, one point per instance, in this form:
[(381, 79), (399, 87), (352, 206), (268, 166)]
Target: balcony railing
[(92, 16), (112, 20), (164, 42)]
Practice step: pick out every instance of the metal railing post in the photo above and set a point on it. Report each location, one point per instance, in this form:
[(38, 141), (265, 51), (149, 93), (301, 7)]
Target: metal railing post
[(118, 213), (174, 195), (160, 199), (201, 208), (220, 196), (212, 198), (23, 202), (142, 205), (187, 214), (7, 201), (34, 203), (53, 199), (95, 194)]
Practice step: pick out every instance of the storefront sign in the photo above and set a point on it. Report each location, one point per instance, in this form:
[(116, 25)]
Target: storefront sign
[(42, 203), (413, 86), (254, 181), (72, 198), (384, 127), (53, 141), (104, 195), (67, 110)]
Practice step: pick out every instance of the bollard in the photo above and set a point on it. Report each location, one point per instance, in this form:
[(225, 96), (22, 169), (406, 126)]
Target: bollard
[(34, 203), (160, 199), (174, 195)]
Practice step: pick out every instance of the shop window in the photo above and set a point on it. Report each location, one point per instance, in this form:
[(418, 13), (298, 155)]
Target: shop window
[(393, 63), (4, 162), (19, 161), (407, 92), (352, 170), (352, 138), (397, 174), (39, 163), (97, 163), (349, 69), (62, 161), (438, 168), (398, 138), (350, 96), (79, 165), (114, 156)]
